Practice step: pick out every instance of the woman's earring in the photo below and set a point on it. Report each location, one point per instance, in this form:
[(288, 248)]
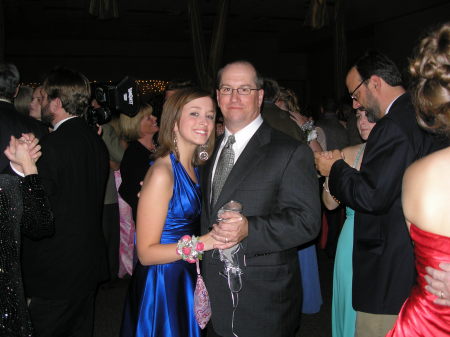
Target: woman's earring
[(177, 154), (203, 154)]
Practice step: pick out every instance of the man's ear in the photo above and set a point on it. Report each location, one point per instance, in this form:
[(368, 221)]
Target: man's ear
[(217, 95), (376, 82), (56, 104), (260, 97), (17, 91)]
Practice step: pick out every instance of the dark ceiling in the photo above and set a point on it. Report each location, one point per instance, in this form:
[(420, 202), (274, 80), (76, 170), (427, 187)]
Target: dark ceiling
[(152, 37)]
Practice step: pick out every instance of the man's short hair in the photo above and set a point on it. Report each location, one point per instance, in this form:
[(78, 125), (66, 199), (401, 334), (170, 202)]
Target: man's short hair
[(71, 87), (9, 80), (271, 90), (375, 63), (259, 81)]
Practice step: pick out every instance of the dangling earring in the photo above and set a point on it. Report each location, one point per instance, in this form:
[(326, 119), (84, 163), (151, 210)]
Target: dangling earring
[(177, 154), (203, 154)]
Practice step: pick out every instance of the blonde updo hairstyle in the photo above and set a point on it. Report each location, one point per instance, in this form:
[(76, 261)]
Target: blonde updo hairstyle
[(171, 115), (131, 126), (289, 98), (430, 71)]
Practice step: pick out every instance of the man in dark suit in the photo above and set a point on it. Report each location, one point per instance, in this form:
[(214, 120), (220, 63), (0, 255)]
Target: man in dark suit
[(61, 273), (383, 260), (11, 122), (277, 118), (274, 179)]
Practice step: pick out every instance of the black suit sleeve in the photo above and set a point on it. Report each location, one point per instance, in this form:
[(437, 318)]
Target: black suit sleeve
[(377, 185), (295, 215), (48, 169)]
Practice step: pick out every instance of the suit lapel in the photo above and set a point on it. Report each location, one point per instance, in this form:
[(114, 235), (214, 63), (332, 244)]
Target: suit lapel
[(246, 163)]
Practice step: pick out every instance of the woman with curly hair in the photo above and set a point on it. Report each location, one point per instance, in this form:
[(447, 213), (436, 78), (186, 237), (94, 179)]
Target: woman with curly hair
[(426, 189)]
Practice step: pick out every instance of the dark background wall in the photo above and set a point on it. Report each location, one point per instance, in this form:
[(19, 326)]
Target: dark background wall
[(151, 39)]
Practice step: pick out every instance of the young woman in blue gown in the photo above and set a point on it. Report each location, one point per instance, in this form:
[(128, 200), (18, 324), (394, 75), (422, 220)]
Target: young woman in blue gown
[(160, 299), (343, 317)]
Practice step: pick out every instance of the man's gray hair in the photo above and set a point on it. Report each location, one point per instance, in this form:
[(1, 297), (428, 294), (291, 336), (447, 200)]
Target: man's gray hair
[(9, 80)]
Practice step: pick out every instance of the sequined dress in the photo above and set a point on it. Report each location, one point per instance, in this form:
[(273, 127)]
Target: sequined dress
[(24, 209), (160, 301), (419, 315)]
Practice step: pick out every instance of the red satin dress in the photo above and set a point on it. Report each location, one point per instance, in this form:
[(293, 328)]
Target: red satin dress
[(419, 316)]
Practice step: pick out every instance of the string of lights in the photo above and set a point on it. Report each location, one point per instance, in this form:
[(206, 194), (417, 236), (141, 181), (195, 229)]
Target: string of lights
[(145, 86)]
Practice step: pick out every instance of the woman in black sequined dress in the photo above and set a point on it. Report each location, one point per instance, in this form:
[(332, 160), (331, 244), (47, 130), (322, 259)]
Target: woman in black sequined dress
[(24, 209)]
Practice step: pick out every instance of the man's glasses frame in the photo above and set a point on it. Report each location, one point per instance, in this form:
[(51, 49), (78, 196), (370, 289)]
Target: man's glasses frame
[(352, 94), (241, 91)]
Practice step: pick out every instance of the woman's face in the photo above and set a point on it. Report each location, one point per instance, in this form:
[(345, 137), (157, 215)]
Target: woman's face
[(149, 125), (196, 121), (364, 126)]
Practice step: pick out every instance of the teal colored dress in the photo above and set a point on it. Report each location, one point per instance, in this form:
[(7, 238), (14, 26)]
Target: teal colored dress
[(343, 317)]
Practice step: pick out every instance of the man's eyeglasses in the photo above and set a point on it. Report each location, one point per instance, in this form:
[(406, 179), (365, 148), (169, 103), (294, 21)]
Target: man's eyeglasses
[(240, 91), (352, 94)]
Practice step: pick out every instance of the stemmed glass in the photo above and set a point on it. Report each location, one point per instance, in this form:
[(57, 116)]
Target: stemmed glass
[(232, 271)]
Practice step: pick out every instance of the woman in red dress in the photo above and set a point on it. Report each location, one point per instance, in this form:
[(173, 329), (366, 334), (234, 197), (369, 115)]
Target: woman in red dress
[(426, 188)]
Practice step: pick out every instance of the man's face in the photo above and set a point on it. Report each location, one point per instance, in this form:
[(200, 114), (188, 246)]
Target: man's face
[(239, 110), (35, 104), (363, 97), (47, 115)]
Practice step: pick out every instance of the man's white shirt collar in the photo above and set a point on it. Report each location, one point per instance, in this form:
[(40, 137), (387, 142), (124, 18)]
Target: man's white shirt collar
[(242, 137), (389, 106), (57, 125)]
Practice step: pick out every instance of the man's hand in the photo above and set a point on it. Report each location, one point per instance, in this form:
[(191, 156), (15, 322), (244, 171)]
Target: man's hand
[(231, 230), (439, 283), (325, 160)]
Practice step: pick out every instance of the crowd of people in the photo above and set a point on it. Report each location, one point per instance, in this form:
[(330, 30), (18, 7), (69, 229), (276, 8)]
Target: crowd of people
[(215, 206)]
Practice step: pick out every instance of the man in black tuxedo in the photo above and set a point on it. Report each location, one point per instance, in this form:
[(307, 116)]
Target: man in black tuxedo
[(273, 177), (11, 122), (61, 273), (383, 260)]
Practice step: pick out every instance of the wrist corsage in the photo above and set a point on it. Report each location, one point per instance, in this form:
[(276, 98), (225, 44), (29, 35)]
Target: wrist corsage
[(310, 130), (190, 249)]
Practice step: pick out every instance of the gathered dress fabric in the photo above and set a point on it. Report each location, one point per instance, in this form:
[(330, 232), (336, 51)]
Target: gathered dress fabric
[(419, 316), (342, 312), (160, 299)]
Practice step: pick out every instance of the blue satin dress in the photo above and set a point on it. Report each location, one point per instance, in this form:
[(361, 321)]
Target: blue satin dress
[(160, 299)]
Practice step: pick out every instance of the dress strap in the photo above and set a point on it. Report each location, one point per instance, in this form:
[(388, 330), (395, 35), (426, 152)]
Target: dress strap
[(359, 154)]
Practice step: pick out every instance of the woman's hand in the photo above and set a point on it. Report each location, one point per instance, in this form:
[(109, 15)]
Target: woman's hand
[(23, 153), (298, 118)]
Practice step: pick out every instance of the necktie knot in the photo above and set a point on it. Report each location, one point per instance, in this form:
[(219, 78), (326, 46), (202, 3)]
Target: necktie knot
[(223, 168), (230, 141)]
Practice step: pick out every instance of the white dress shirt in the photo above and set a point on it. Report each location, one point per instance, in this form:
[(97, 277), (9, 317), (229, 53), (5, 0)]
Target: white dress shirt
[(242, 138)]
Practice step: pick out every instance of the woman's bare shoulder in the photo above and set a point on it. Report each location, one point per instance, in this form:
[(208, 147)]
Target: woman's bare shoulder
[(434, 166), (160, 172)]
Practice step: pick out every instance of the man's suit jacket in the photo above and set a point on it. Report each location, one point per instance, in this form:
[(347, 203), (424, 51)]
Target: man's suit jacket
[(275, 180), (383, 260), (12, 123), (281, 121), (73, 169), (335, 133)]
